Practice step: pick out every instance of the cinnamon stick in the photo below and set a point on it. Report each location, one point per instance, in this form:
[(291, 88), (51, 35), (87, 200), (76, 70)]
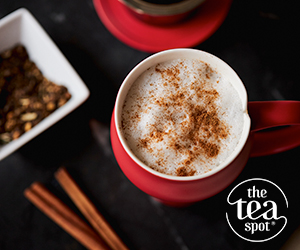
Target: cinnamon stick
[(49, 204), (89, 210)]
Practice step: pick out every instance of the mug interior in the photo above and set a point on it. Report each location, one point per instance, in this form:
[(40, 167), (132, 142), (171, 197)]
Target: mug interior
[(217, 64)]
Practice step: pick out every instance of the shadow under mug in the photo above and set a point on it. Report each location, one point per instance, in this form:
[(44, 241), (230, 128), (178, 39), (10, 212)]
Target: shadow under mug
[(269, 127)]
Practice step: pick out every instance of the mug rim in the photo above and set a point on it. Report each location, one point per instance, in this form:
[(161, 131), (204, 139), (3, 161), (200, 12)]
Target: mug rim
[(143, 7), (171, 54)]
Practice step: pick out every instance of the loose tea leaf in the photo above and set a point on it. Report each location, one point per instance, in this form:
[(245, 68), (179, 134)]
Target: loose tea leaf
[(26, 96)]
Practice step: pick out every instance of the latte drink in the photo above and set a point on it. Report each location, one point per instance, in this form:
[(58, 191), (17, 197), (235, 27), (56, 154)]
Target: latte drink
[(182, 118)]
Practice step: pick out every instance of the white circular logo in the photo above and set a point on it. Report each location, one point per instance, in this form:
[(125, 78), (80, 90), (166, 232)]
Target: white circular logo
[(256, 209)]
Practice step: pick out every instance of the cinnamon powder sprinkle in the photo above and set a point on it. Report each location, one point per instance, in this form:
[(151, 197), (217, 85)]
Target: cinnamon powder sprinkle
[(183, 171), (200, 131)]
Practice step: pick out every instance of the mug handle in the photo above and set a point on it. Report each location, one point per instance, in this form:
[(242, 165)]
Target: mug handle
[(275, 126)]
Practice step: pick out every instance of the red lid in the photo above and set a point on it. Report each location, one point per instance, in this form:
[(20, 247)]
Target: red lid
[(150, 38)]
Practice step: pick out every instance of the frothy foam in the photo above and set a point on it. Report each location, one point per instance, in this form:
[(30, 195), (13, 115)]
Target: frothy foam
[(182, 118)]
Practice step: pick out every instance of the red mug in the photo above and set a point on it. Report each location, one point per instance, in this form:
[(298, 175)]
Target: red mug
[(258, 139)]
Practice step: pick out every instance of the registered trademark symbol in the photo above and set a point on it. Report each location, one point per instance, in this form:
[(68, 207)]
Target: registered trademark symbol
[(273, 223)]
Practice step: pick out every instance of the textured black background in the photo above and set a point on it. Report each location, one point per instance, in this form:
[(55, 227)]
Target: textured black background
[(259, 39)]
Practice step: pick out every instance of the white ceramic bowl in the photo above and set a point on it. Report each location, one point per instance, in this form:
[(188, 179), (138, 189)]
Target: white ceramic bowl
[(20, 27)]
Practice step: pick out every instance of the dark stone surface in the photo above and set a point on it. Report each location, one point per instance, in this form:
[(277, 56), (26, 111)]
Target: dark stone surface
[(259, 39)]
